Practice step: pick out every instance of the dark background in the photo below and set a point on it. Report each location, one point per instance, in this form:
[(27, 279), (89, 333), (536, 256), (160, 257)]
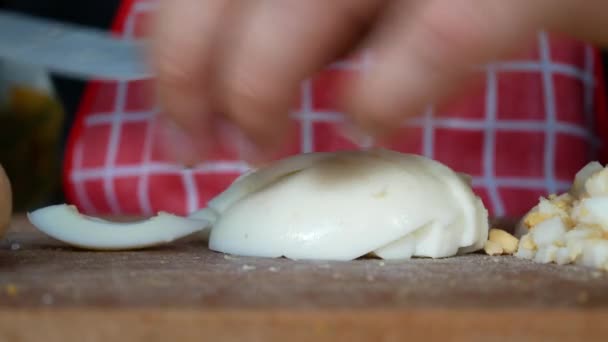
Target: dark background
[(94, 13)]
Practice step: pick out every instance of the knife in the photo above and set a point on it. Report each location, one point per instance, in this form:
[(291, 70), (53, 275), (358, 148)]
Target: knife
[(71, 50)]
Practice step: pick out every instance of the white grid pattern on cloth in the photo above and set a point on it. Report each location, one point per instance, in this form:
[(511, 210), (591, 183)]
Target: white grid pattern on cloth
[(489, 141), (428, 144), (366, 60), (115, 134), (337, 117), (588, 101), (512, 65), (306, 121), (550, 113), (114, 141), (143, 181), (81, 192), (142, 6), (307, 117), (157, 168), (191, 191)]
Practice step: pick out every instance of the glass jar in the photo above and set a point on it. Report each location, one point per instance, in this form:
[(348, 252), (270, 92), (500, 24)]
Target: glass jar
[(31, 120)]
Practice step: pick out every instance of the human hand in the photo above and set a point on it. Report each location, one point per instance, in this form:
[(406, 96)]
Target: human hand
[(229, 71)]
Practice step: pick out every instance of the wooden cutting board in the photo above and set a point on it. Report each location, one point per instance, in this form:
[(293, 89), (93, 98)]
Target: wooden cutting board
[(52, 292)]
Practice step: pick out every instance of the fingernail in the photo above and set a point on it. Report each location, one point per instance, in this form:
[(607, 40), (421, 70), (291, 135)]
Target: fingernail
[(234, 140), (177, 145), (354, 134)]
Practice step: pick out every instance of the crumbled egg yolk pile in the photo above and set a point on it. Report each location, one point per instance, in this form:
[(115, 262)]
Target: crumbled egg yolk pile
[(571, 227)]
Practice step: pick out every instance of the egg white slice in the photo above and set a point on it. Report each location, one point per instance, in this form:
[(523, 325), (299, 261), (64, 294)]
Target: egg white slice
[(66, 224)]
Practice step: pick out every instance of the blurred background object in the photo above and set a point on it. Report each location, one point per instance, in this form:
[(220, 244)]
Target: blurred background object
[(96, 13), (31, 120), (37, 109), (6, 207)]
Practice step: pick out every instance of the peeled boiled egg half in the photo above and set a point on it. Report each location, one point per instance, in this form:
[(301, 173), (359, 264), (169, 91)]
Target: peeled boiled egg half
[(344, 205)]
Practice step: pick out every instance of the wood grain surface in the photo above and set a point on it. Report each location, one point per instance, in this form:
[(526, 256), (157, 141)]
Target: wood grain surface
[(185, 291)]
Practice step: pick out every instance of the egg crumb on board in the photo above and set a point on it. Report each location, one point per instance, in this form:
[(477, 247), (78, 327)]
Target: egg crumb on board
[(11, 290), (570, 228), (492, 248), (500, 242)]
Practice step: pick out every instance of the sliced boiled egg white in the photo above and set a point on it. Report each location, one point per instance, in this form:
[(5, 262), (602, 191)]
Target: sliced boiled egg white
[(65, 223), (334, 206)]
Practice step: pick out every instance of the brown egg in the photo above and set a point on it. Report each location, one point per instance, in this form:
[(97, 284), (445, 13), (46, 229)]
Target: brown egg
[(6, 205)]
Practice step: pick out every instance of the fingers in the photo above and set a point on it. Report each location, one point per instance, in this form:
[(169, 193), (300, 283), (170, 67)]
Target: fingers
[(422, 59), (244, 60), (277, 46), (583, 19), (184, 35)]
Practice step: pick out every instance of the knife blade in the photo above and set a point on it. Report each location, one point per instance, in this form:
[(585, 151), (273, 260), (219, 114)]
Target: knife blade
[(71, 50)]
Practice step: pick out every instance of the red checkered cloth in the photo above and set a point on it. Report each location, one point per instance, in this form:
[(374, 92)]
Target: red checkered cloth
[(523, 133)]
